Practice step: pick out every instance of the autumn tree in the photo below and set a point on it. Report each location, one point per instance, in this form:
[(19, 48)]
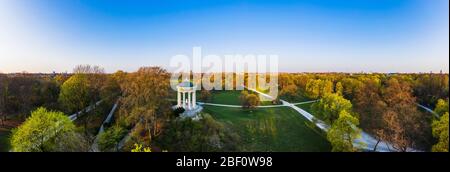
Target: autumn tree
[(313, 89), (350, 87), (318, 88), (249, 100), (143, 102), (300, 81), (370, 106), (285, 80), (19, 94), (96, 79), (289, 91), (120, 77), (430, 87), (61, 78), (402, 121), (252, 101)]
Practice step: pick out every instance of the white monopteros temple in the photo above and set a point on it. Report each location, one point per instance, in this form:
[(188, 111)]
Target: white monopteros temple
[(186, 98), (186, 95)]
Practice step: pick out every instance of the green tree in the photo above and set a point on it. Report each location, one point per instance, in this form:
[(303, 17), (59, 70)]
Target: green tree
[(441, 107), (343, 132), (326, 87), (108, 140), (47, 131), (440, 131), (317, 88), (109, 89), (3, 97), (140, 148), (329, 107), (339, 89), (313, 89), (75, 93)]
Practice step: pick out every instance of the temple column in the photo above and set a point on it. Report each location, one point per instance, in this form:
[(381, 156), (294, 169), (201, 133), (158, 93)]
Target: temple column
[(189, 100), (184, 100), (179, 99), (194, 100)]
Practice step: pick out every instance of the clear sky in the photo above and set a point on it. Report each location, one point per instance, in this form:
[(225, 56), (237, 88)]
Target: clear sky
[(308, 35)]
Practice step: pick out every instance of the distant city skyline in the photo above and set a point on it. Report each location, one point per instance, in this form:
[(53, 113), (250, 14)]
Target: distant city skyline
[(386, 36)]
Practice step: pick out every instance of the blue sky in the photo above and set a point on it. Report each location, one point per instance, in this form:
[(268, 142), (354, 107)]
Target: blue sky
[(308, 35)]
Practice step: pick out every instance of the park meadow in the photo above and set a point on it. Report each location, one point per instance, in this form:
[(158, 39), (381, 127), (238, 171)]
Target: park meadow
[(88, 110)]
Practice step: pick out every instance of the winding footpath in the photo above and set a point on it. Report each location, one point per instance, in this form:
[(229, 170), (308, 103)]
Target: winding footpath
[(75, 116), (236, 106), (428, 110), (94, 147), (366, 141)]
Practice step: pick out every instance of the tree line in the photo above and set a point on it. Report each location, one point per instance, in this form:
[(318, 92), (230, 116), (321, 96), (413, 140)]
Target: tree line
[(384, 105)]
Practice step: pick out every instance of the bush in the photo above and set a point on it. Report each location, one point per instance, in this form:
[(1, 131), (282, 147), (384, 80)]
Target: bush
[(205, 135), (178, 111), (109, 139)]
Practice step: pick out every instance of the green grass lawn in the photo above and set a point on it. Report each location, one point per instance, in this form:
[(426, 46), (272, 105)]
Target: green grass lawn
[(297, 99), (4, 141), (230, 97), (271, 129), (226, 97), (306, 107)]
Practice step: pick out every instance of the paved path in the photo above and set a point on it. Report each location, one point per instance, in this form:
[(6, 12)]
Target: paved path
[(312, 101), (94, 147), (75, 116), (366, 141), (127, 137), (428, 110), (237, 106)]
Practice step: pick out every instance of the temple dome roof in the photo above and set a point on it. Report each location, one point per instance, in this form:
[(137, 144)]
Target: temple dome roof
[(186, 83)]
